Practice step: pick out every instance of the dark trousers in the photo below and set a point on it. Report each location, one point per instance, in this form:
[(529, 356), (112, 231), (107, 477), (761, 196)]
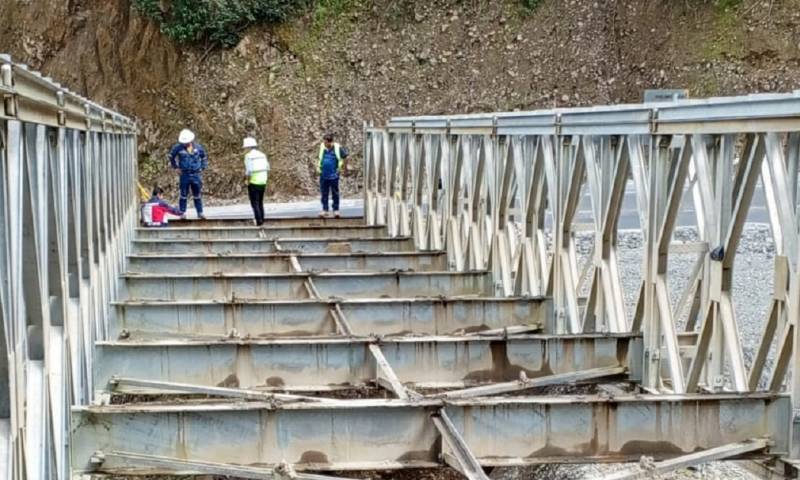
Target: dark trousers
[(329, 186), (256, 194), (193, 182)]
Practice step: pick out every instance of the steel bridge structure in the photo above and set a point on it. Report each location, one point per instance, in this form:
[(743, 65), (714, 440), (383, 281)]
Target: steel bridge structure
[(456, 324)]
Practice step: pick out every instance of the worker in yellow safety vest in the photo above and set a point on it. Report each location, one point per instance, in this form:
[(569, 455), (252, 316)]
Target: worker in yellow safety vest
[(257, 170), (331, 163)]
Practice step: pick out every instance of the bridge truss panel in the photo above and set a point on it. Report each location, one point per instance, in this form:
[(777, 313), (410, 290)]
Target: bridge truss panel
[(510, 192), (67, 212)]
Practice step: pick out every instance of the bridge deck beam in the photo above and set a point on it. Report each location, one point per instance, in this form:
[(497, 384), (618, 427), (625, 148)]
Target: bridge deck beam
[(260, 246), (224, 287), (378, 316), (266, 233), (280, 263), (387, 434), (336, 363)]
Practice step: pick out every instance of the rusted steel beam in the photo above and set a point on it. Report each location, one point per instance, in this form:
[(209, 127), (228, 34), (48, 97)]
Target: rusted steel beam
[(312, 317), (335, 363), (259, 246), (222, 287), (266, 233), (279, 262), (387, 434)]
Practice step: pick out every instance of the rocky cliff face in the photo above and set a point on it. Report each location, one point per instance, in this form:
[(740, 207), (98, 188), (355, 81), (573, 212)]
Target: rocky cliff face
[(288, 84)]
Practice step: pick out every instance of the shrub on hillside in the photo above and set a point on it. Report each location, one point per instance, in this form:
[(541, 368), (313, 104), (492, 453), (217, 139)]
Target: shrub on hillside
[(216, 21)]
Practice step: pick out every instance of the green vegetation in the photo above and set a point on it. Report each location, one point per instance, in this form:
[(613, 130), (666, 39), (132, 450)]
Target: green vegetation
[(218, 22), (328, 10), (529, 6), (728, 4), (725, 36)]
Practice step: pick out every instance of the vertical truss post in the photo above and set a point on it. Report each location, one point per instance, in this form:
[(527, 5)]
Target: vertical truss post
[(660, 337)]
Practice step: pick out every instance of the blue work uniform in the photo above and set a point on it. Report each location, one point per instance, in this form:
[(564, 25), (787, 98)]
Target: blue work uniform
[(330, 162), (191, 164)]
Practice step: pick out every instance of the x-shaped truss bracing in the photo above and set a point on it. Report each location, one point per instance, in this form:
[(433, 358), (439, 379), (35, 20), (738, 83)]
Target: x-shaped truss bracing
[(512, 192)]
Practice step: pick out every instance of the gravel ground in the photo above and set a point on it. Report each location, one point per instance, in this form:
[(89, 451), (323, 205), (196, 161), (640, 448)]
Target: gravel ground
[(752, 279)]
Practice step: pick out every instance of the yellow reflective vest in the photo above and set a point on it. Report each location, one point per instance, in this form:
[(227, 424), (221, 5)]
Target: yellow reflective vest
[(257, 167), (337, 149)]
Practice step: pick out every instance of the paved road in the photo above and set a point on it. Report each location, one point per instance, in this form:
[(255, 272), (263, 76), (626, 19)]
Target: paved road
[(629, 219), (348, 208)]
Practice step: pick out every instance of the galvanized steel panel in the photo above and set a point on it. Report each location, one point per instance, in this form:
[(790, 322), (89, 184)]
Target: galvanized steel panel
[(308, 364), (312, 317)]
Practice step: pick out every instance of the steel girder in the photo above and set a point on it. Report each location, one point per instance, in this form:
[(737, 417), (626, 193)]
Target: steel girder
[(335, 363), (313, 317), (273, 221), (282, 263), (67, 213), (386, 434), (265, 233), (222, 287), (259, 246)]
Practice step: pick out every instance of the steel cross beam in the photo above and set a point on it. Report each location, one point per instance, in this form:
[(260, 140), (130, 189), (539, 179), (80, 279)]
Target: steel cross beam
[(303, 364), (313, 317), (280, 263), (381, 434)]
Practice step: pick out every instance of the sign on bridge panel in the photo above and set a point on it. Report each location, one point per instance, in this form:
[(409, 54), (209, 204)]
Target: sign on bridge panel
[(665, 95)]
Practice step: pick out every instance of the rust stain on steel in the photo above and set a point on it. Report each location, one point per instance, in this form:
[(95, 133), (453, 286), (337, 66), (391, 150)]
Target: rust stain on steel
[(231, 381), (552, 451), (470, 329), (339, 247), (276, 382), (313, 456), (622, 353), (431, 454), (502, 369), (295, 333), (646, 447)]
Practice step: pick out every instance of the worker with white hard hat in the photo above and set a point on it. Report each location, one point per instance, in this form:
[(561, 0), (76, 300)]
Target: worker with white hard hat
[(256, 168), (190, 158)]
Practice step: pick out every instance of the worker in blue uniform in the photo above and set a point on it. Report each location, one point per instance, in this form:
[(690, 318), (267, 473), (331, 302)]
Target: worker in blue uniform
[(190, 158), (331, 163)]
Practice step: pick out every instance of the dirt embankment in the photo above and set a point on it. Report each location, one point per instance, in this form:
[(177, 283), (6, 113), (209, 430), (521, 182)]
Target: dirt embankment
[(288, 84)]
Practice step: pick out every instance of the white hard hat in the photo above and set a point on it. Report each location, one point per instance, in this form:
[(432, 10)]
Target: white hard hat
[(249, 142), (186, 136)]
